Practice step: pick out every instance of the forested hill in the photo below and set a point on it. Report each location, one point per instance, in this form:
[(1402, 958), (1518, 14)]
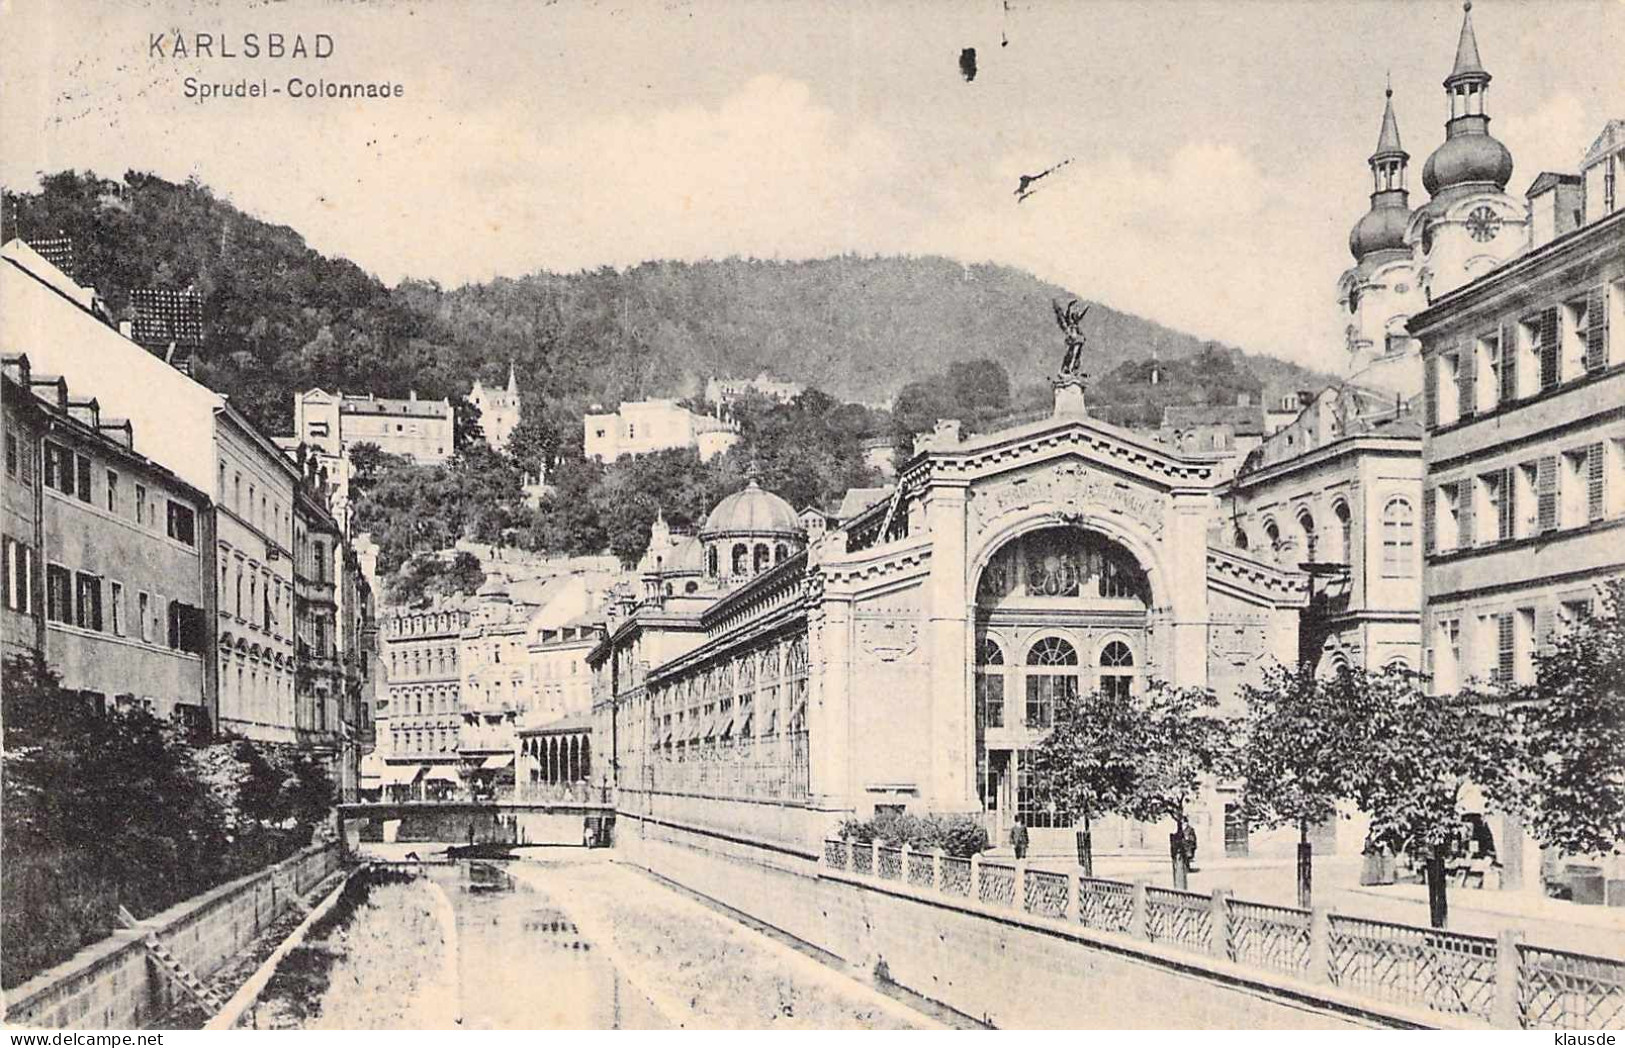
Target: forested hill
[(280, 317)]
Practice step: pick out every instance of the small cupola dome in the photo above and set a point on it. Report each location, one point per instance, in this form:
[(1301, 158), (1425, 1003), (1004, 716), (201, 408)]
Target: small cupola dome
[(1383, 227), (1469, 155), (751, 511)]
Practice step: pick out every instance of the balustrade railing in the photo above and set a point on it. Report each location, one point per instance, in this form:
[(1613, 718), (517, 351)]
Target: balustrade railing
[(1275, 937), (956, 876), (1106, 906), (998, 884), (1429, 968), (921, 869), (1558, 990), (1440, 970), (1182, 919), (1044, 893)]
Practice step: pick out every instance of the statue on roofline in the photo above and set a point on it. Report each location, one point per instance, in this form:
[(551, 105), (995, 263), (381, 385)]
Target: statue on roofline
[(1069, 319)]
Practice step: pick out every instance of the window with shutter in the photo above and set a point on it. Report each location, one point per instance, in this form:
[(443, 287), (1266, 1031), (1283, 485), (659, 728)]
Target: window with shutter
[(1596, 492), (1466, 380), (1431, 392), (1465, 535), (1429, 531), (1506, 648), (1596, 335), (1508, 515), (1549, 357), (1509, 362), (1546, 492)]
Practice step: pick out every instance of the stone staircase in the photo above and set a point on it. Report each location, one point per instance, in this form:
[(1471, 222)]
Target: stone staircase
[(178, 973)]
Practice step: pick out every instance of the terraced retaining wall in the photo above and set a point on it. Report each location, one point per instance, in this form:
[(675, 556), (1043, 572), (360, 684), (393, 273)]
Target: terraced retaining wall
[(1007, 970), (113, 985)]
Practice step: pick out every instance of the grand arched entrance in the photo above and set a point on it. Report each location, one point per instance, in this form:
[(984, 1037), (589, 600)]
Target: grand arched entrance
[(1059, 612)]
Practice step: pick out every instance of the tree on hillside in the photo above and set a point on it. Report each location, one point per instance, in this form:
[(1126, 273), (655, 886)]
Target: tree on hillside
[(1572, 724), (1087, 764), (1298, 753), (465, 422), (1416, 754), (367, 463), (1180, 740)]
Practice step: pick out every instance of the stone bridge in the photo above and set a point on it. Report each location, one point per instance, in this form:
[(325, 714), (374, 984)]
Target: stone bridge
[(552, 821)]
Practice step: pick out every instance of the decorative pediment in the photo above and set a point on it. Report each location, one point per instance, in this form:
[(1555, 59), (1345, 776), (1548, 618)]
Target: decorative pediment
[(1071, 487)]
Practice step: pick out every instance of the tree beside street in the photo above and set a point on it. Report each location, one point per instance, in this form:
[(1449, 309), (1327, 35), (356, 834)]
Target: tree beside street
[(1298, 755), (1573, 734), (1087, 764), (1414, 755), (1181, 741)]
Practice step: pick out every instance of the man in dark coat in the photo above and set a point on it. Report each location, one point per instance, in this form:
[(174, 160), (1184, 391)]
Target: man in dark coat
[(1018, 839)]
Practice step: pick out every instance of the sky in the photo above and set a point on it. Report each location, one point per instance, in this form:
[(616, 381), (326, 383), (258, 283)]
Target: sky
[(1217, 150)]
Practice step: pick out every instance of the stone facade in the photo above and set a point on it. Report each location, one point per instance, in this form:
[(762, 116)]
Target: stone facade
[(1057, 556)]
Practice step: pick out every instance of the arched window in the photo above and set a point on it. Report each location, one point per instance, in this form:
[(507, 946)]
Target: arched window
[(1306, 524), (1117, 670), (1272, 532), (711, 561), (990, 683), (1052, 677), (1345, 531), (780, 552), (1398, 539), (1239, 539), (741, 558), (762, 556)]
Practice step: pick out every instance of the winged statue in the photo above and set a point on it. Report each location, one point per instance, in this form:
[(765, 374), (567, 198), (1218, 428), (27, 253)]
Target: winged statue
[(1069, 319)]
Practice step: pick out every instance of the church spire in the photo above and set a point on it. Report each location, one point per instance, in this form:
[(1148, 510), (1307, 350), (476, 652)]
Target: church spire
[(513, 386), (1383, 227), (1468, 63)]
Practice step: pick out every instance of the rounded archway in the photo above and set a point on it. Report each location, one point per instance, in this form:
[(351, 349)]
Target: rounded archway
[(1060, 612)]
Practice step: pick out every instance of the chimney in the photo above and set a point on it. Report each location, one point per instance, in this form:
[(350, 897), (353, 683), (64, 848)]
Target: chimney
[(412, 395), (1555, 205)]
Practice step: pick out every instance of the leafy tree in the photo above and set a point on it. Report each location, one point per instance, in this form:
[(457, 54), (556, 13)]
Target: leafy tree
[(1088, 763), (1299, 752), (465, 422), (1416, 754), (1180, 741), (368, 462), (1573, 728)]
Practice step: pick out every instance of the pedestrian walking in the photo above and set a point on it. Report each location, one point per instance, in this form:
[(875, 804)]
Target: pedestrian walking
[(1018, 839)]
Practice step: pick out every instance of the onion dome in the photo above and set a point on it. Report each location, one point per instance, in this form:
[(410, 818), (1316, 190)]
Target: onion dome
[(751, 511), (1383, 227), (1469, 154)]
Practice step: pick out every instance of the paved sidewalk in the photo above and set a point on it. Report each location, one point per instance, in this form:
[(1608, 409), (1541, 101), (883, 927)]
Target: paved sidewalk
[(1545, 922)]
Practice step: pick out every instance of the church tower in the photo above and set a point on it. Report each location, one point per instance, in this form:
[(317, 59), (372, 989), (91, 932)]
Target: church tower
[(500, 410), (1470, 225), (1381, 291)]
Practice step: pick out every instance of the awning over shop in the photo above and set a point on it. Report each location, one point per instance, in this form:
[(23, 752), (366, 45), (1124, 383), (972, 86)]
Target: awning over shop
[(500, 760), (400, 774), (442, 773), (725, 724)]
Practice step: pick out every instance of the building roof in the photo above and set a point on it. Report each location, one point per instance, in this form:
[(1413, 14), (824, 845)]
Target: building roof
[(1547, 179), (857, 500), (1611, 138), (1245, 420), (1467, 60), (1388, 137), (752, 511)]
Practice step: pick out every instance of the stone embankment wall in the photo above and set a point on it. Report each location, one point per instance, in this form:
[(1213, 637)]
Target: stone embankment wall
[(113, 985), (1005, 972)]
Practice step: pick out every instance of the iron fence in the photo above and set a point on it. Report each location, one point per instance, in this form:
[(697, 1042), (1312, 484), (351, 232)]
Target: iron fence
[(1275, 937), (862, 858), (998, 884), (1105, 905), (1044, 893), (891, 863), (922, 872), (1182, 919), (1567, 991), (837, 854), (956, 876), (1444, 971)]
